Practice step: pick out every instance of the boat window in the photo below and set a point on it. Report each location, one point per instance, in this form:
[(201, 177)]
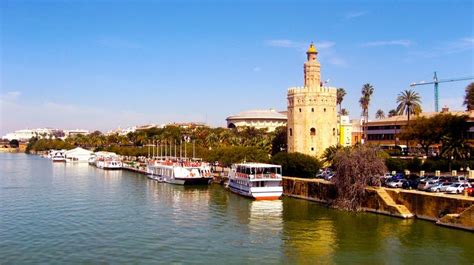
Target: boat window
[(247, 171)]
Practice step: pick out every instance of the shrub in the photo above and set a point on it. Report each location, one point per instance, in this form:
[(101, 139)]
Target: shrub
[(356, 169), (396, 164), (297, 164)]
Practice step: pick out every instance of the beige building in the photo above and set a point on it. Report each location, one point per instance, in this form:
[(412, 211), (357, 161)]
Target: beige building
[(312, 114), (260, 119)]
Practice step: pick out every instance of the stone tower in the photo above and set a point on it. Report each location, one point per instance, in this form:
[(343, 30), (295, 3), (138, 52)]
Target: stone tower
[(312, 114)]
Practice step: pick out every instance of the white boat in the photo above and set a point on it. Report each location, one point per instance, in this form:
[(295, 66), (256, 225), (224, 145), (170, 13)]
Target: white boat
[(106, 163), (58, 156), (106, 160), (256, 180), (180, 172)]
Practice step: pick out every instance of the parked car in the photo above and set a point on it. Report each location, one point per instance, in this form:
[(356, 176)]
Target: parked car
[(425, 185), (470, 191), (457, 187), (396, 183), (440, 187), (411, 184)]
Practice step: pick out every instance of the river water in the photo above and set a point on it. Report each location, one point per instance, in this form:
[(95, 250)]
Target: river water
[(57, 213)]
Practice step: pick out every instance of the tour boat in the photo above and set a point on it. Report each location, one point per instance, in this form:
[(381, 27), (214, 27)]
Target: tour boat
[(180, 172), (256, 180), (106, 160), (58, 156)]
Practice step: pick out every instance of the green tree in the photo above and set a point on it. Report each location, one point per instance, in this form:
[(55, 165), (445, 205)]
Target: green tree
[(297, 164), (392, 113), (469, 97), (454, 136), (341, 93), (424, 131), (344, 112), (409, 102), (279, 141), (380, 114), (330, 153), (367, 91)]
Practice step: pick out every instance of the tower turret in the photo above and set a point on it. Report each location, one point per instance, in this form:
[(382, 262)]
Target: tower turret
[(312, 69)]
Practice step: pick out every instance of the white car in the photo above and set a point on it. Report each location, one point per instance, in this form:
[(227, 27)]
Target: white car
[(440, 187), (395, 184), (457, 187)]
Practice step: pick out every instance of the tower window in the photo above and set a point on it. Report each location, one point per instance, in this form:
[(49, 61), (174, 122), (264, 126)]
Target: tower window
[(312, 148), (334, 131), (300, 109), (291, 132), (324, 109), (312, 109), (312, 132)]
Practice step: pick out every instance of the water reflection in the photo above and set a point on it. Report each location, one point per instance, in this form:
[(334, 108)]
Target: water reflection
[(309, 234)]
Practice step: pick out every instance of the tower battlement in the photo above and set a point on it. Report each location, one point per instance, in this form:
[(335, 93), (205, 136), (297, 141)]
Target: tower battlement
[(302, 89)]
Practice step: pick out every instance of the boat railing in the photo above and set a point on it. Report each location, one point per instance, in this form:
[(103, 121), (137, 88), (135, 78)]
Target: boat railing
[(266, 176)]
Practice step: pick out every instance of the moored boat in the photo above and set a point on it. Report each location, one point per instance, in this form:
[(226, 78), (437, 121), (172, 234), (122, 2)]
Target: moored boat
[(180, 172), (256, 180), (106, 160), (58, 156)]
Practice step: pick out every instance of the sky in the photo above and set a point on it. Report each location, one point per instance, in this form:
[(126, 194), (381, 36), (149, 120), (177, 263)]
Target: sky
[(109, 64)]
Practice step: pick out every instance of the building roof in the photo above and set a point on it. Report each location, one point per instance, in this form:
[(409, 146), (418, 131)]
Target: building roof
[(78, 151), (312, 49), (270, 114), (404, 118)]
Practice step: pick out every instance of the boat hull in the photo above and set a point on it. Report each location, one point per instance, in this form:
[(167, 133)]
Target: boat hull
[(189, 181), (261, 195)]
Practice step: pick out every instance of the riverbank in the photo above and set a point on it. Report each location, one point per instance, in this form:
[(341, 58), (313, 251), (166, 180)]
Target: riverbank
[(443, 209)]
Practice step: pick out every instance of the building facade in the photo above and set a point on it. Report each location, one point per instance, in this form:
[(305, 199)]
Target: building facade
[(260, 119), (345, 131), (312, 115), (386, 132)]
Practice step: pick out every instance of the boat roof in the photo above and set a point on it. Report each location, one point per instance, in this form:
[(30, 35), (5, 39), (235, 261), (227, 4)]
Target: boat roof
[(256, 165)]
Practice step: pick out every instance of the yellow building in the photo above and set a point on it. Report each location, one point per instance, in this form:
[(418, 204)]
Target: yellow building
[(345, 131), (312, 115)]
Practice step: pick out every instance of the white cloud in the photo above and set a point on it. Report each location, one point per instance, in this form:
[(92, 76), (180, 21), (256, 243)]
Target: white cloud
[(444, 48), (404, 43), (355, 14), (10, 96), (460, 45)]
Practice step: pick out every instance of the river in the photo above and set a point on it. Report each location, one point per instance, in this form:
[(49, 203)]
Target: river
[(58, 213)]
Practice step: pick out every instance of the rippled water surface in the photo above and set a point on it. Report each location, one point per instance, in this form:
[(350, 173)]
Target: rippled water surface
[(56, 213)]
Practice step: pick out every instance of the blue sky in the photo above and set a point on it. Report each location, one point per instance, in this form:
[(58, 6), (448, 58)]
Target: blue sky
[(105, 64)]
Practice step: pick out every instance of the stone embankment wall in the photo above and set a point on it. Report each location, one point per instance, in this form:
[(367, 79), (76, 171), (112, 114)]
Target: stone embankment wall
[(449, 210)]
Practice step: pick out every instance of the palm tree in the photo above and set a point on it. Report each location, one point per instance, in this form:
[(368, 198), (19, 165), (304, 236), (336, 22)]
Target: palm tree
[(367, 91), (409, 102), (380, 114), (340, 97), (392, 113), (344, 112), (469, 97)]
